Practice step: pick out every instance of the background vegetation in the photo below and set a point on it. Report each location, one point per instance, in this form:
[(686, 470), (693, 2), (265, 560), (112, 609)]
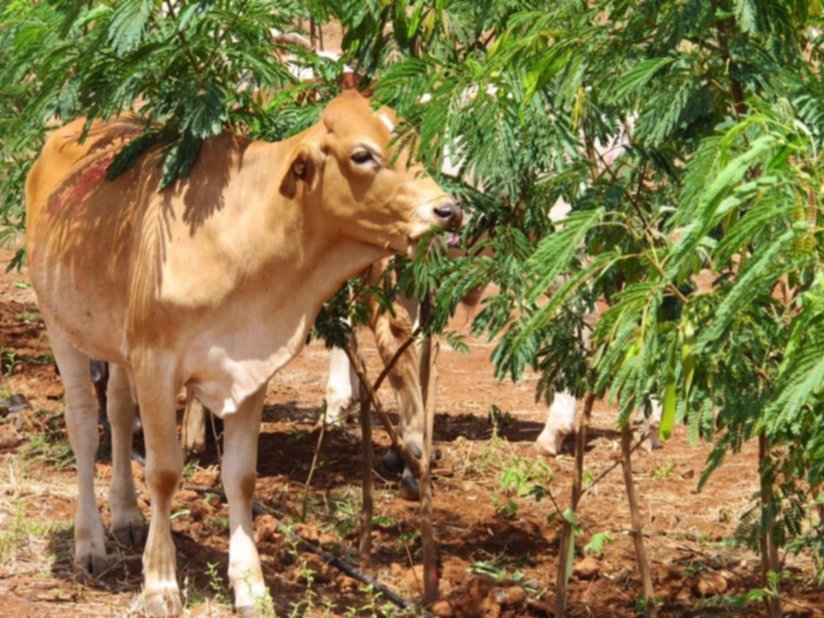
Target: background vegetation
[(718, 106)]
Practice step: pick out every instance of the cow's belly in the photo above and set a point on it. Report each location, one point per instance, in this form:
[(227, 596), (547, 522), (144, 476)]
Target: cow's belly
[(84, 303)]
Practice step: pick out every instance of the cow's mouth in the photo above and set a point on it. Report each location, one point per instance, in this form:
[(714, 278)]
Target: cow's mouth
[(449, 239)]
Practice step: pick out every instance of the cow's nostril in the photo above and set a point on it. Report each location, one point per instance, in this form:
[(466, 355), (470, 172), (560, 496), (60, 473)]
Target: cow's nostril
[(446, 211)]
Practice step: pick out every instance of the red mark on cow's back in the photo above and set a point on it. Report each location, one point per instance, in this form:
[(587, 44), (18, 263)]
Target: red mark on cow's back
[(80, 185)]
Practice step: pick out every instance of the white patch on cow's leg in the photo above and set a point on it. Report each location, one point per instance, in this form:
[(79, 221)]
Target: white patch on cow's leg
[(238, 473), (164, 467), (193, 427), (342, 387), (127, 522), (560, 422), (654, 423), (81, 424)]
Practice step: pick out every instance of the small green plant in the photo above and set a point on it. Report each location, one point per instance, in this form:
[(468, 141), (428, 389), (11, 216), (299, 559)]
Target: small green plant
[(376, 606), (406, 539), (520, 479), (46, 358), (385, 522), (180, 514), (664, 470), (524, 475), (190, 468), (29, 317), (9, 363), (264, 604), (216, 584), (344, 510), (498, 417), (497, 570), (597, 542), (297, 436), (50, 445), (505, 507), (307, 576), (219, 522), (15, 535)]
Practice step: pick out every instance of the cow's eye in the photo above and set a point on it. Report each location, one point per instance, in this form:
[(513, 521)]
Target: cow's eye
[(362, 156)]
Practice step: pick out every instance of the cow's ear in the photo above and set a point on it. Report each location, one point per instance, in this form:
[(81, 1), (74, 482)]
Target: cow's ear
[(305, 164)]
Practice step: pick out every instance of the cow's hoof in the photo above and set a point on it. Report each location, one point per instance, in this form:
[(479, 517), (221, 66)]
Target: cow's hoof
[(549, 444), (164, 604), (248, 611), (410, 488), (91, 565), (544, 448), (130, 535), (392, 462)]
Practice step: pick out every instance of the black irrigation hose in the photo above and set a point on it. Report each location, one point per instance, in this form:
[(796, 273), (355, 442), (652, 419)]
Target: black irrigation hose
[(339, 563)]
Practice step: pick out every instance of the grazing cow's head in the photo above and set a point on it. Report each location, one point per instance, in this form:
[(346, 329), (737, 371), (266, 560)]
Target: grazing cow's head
[(361, 186)]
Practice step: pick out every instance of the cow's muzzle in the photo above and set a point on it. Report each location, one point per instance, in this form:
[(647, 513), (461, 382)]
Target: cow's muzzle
[(449, 215)]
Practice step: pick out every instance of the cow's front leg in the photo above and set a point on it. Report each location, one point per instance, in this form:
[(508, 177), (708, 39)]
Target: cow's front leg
[(560, 422), (127, 522), (81, 424), (239, 467), (156, 391)]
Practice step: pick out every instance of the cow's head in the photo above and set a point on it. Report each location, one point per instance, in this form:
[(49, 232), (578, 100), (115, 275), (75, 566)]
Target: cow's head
[(345, 171)]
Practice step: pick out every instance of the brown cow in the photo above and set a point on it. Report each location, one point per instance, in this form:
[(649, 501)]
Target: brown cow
[(211, 284)]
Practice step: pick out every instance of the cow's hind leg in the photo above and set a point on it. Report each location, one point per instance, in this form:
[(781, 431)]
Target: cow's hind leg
[(127, 522), (238, 474), (560, 422), (81, 424), (193, 427), (390, 333), (156, 390)]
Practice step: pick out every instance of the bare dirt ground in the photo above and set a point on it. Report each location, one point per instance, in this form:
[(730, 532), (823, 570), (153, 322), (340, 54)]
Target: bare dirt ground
[(499, 549)]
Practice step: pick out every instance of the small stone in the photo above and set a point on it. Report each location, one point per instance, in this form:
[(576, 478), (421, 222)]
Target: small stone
[(309, 533), (512, 596), (396, 570), (346, 583), (323, 572), (442, 609), (414, 578), (710, 584), (684, 596), (266, 527), (587, 568), (205, 477), (187, 495)]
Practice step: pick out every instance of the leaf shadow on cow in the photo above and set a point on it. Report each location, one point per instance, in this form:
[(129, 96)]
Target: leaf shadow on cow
[(215, 299)]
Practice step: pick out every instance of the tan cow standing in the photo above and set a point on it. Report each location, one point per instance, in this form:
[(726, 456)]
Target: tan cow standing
[(211, 284)]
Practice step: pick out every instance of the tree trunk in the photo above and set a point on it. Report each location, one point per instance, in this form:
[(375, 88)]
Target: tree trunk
[(429, 357), (770, 562), (566, 550), (637, 528), (365, 541)]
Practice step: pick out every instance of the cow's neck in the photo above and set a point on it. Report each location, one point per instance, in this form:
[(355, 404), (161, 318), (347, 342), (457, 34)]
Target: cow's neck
[(299, 263)]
